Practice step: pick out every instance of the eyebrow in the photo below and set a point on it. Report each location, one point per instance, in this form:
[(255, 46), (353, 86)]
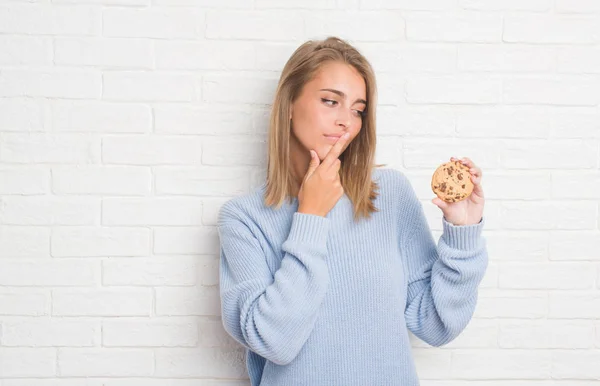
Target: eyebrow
[(338, 92)]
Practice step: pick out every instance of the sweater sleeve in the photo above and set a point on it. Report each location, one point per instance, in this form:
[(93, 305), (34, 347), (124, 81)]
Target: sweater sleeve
[(273, 314), (443, 280)]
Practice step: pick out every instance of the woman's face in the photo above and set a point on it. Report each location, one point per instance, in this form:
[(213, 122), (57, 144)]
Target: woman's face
[(329, 105)]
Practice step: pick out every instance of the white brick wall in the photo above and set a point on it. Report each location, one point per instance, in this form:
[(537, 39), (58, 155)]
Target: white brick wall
[(126, 124)]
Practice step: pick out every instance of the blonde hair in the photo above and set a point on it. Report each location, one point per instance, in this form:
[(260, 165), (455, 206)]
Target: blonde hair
[(357, 159)]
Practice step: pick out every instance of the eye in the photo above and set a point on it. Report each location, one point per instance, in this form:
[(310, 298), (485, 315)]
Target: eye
[(359, 113), (329, 102)]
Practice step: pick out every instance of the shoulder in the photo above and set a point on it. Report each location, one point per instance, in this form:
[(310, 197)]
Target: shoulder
[(241, 209), (393, 182)]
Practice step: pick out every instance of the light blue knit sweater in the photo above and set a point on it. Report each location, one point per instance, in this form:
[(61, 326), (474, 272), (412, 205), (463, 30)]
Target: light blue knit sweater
[(326, 301)]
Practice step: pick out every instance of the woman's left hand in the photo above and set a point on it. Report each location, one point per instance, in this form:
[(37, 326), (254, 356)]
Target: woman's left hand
[(470, 210)]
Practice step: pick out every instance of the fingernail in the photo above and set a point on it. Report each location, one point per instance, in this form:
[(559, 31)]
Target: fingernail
[(346, 136)]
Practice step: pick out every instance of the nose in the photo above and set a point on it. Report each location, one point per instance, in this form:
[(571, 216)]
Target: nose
[(343, 118)]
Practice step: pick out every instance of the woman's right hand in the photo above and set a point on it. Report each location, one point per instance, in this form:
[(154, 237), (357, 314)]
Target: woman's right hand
[(321, 188)]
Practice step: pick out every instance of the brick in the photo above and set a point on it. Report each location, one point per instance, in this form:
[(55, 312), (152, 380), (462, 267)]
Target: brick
[(187, 301), (410, 58), (576, 122), (102, 180), (212, 334), (550, 29), (357, 26), (47, 272), (46, 19), (54, 332), (105, 362), (576, 364), (522, 246), (235, 4), (546, 334), (53, 382), (156, 271), (153, 22), (148, 86), (152, 211), (25, 50), (296, 4), (561, 91), (201, 121), (548, 276), (523, 185), (574, 246), (100, 241), (203, 181), (208, 274), (210, 210), (500, 58), (433, 364), (577, 6), (416, 121), (49, 210), (143, 333), (579, 60), (430, 153), (450, 27), (51, 83), (27, 362), (574, 304), (548, 154), (512, 304), (24, 242), (503, 122), (101, 302), (510, 5), (101, 117), (191, 55), (23, 115), (151, 150), (272, 55), (548, 215), (24, 302), (506, 364), (204, 362), (235, 152), (238, 89), (255, 25), (101, 52), (426, 5), (479, 333), (453, 90), (186, 240), (24, 180), (34, 148)]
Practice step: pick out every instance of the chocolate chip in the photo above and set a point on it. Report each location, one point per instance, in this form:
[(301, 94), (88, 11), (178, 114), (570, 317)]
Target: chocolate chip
[(460, 177), (443, 187), (463, 186)]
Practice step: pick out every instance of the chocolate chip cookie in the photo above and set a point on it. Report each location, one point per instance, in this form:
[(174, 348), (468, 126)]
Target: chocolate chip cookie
[(451, 182)]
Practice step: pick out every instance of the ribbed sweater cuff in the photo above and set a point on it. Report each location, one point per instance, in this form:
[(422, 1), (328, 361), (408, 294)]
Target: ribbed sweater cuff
[(309, 228), (462, 237)]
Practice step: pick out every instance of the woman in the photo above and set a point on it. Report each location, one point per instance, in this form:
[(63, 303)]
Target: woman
[(328, 265)]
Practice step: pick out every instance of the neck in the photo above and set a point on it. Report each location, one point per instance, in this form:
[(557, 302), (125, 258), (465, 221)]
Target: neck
[(300, 160)]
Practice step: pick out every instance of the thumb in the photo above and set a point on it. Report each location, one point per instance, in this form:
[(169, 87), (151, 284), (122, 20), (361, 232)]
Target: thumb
[(314, 163), (440, 203)]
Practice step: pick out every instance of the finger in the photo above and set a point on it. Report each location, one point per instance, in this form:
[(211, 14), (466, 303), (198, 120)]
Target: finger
[(314, 163), (440, 203), (477, 172), (335, 151), (467, 162)]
